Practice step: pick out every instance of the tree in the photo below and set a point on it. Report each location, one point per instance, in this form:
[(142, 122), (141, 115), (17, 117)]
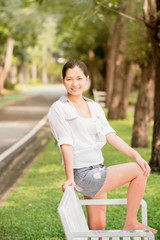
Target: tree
[(133, 69), (152, 22), (111, 58), (122, 62), (144, 107), (120, 65), (14, 30), (41, 55), (138, 53), (7, 62), (81, 39)]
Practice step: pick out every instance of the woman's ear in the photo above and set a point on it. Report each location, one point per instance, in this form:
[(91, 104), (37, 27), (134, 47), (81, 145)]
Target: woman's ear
[(62, 80)]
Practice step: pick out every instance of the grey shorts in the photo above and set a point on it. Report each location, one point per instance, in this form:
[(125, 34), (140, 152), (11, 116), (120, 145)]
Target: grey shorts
[(89, 180)]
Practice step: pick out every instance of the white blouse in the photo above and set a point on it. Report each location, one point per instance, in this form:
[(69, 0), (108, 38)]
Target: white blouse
[(86, 135)]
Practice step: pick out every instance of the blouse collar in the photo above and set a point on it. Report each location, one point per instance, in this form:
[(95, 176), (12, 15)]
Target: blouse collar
[(64, 99)]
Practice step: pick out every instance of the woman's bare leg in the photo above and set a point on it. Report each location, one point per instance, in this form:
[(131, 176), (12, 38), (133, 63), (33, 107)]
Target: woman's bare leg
[(96, 214), (119, 175)]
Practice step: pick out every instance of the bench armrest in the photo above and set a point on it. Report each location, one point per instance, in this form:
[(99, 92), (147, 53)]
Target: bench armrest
[(121, 201)]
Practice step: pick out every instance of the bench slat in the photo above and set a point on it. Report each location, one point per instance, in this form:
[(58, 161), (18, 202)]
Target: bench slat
[(100, 97), (115, 233)]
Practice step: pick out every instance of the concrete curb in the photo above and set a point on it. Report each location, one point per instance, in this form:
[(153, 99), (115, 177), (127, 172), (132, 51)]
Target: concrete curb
[(17, 147)]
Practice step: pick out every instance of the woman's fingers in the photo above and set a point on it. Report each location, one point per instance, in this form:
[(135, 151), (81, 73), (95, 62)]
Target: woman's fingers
[(147, 168), (68, 183), (144, 165)]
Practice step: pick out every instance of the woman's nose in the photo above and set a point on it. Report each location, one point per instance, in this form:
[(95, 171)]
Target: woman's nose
[(74, 83)]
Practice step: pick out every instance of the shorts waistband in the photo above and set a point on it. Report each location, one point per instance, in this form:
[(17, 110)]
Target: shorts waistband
[(90, 167)]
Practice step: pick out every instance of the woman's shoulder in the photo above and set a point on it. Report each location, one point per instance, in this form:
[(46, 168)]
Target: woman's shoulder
[(62, 106), (91, 101), (56, 107), (95, 104)]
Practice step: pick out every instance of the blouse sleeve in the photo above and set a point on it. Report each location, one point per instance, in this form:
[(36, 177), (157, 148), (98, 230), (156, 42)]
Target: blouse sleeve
[(106, 128), (59, 127)]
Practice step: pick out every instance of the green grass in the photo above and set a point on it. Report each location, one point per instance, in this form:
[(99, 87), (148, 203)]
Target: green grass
[(30, 212)]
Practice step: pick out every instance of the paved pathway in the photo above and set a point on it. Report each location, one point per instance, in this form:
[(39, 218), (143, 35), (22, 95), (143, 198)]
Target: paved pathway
[(18, 118)]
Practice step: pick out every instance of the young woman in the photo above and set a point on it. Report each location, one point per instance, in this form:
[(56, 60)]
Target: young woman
[(81, 130)]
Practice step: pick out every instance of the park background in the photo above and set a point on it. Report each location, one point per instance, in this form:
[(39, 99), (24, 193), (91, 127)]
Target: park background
[(120, 43)]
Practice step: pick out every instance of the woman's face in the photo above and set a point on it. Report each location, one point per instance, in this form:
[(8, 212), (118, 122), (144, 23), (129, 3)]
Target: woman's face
[(75, 81)]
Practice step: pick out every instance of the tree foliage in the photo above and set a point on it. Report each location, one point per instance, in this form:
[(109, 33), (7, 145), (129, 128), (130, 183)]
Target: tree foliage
[(19, 20)]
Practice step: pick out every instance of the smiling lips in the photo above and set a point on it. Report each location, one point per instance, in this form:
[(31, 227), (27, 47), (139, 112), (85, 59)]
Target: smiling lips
[(75, 89)]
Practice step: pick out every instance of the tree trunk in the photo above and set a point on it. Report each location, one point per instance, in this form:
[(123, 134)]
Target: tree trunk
[(96, 78), (100, 78), (1, 69), (113, 112), (7, 63), (91, 56), (34, 71), (155, 159), (27, 74), (127, 85), (44, 75), (13, 74), (20, 74), (111, 58), (151, 10), (144, 107)]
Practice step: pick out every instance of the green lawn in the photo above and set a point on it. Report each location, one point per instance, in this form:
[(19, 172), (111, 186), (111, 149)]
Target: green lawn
[(30, 212)]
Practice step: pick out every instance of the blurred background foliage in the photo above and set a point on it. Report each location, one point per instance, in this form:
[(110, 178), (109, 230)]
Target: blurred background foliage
[(47, 33)]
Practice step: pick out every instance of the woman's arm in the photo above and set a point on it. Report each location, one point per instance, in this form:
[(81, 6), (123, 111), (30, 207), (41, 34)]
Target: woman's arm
[(67, 152), (123, 147)]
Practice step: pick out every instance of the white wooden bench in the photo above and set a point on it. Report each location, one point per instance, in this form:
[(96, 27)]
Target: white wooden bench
[(75, 225), (100, 97)]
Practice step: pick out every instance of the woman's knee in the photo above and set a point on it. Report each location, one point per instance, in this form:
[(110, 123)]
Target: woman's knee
[(139, 171), (97, 216), (96, 213), (97, 223)]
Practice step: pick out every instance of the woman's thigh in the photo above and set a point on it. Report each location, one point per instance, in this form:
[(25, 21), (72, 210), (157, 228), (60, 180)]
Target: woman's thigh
[(118, 175), (96, 213)]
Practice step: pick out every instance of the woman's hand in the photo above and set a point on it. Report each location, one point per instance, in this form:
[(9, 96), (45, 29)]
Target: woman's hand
[(69, 182), (144, 165)]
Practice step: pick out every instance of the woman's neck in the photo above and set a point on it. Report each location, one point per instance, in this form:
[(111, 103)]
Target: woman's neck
[(75, 99)]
